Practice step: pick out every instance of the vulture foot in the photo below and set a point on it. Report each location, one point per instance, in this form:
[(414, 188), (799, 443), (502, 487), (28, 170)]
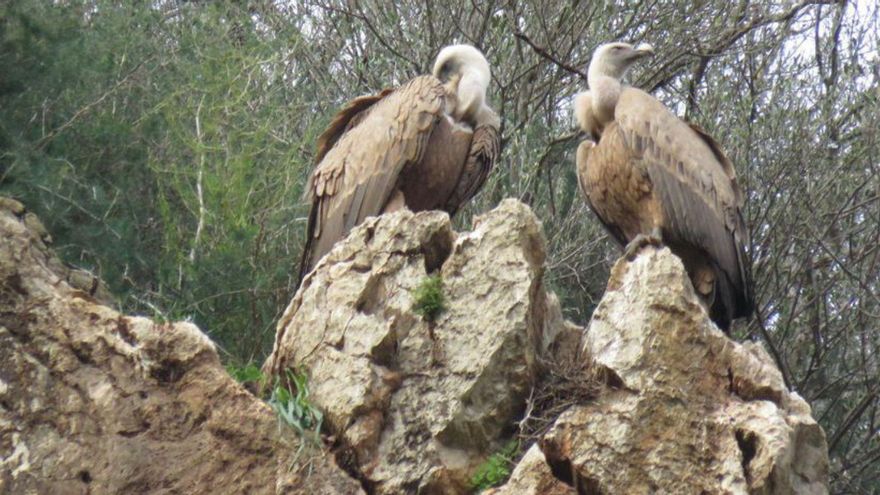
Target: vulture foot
[(641, 241)]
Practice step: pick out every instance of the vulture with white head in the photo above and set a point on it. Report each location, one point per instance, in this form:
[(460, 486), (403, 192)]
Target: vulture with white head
[(427, 145), (652, 178)]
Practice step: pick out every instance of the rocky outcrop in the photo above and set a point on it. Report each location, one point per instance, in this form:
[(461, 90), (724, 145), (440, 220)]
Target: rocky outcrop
[(419, 404), (415, 406), (692, 412), (93, 401)]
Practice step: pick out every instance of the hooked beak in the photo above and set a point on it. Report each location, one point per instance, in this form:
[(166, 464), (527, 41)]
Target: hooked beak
[(642, 51)]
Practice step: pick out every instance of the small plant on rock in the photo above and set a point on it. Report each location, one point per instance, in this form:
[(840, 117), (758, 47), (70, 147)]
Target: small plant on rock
[(245, 374), (294, 408), (496, 469), (429, 299)]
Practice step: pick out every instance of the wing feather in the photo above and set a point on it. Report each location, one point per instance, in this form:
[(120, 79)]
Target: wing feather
[(347, 118), (583, 161), (696, 184), (484, 151), (359, 169)]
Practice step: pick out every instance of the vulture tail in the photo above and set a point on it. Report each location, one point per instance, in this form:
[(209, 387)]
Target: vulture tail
[(730, 302)]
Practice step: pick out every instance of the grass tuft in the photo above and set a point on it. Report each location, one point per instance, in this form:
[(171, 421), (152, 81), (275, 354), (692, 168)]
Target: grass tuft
[(248, 373), (429, 299), (290, 401)]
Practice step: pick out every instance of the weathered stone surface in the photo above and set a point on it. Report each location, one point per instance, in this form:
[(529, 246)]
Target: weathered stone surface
[(88, 285), (92, 401), (421, 404), (694, 413), (533, 476)]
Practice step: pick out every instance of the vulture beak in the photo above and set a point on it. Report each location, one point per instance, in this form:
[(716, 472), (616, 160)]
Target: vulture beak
[(642, 51)]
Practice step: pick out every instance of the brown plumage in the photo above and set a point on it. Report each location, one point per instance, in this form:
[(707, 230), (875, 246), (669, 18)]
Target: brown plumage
[(429, 144), (653, 175)]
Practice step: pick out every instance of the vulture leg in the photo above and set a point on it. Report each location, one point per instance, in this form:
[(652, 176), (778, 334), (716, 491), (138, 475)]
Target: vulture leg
[(641, 241)]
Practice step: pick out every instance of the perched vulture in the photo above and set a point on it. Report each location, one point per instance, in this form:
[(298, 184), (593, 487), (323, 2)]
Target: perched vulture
[(651, 178), (427, 145)]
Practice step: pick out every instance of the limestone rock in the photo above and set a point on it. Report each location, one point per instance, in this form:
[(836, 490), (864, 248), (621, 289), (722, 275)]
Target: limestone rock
[(93, 401), (87, 283), (420, 404), (533, 476), (693, 412)]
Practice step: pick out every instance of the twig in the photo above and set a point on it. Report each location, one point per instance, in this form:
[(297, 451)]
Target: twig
[(199, 190), (544, 53), (82, 111)]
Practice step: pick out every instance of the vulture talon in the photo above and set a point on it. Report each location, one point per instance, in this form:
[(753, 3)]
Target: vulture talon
[(640, 242)]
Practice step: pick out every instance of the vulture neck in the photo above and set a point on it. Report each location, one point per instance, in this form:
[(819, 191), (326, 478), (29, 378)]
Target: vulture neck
[(486, 116), (605, 91), (470, 96)]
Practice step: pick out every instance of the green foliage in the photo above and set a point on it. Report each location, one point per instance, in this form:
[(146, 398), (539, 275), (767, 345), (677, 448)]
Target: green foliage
[(165, 151), (290, 400), (428, 299), (496, 469), (244, 374)]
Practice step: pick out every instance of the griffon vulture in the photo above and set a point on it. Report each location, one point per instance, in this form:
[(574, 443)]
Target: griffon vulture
[(651, 178), (427, 145)]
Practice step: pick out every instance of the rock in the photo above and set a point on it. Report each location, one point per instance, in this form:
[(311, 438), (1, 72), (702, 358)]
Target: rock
[(532, 476), (417, 404), (89, 285), (93, 401), (693, 412)]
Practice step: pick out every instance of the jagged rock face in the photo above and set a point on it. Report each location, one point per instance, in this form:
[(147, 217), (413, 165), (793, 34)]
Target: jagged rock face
[(92, 401), (693, 412), (419, 404), (533, 476)]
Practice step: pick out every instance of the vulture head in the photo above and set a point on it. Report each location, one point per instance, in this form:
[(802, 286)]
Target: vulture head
[(614, 59), (608, 66), (464, 71)]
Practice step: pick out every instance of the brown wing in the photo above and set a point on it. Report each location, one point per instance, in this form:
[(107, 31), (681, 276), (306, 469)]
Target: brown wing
[(582, 159), (352, 113), (696, 186), (484, 150), (428, 184), (357, 175)]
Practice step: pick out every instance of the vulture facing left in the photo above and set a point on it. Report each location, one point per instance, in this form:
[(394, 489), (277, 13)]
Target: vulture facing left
[(652, 178), (427, 145)]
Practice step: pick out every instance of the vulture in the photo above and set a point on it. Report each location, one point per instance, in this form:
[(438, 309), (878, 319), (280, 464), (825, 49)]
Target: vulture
[(427, 145), (652, 178)]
